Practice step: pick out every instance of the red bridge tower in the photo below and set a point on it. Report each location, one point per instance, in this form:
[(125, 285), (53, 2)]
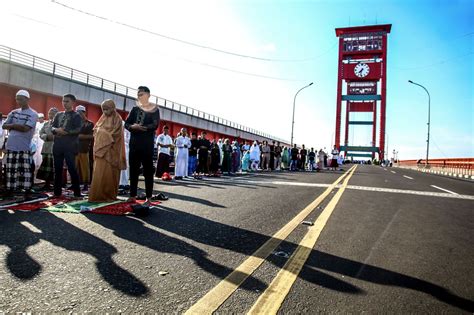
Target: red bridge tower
[(362, 84)]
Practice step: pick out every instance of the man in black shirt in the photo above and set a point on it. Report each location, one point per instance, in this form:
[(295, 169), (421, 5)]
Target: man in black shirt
[(142, 122), (277, 163), (65, 128), (272, 155), (294, 158), (311, 160), (203, 153), (303, 154)]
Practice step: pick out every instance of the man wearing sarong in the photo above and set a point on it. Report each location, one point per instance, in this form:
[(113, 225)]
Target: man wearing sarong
[(20, 123), (109, 154), (65, 128), (164, 143), (85, 139)]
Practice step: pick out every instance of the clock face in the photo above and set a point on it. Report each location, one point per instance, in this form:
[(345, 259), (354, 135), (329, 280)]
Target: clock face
[(361, 70)]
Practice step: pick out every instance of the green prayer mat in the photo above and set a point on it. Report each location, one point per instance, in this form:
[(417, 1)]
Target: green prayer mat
[(75, 206)]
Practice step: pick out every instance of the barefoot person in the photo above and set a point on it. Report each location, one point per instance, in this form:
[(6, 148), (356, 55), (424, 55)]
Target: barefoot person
[(142, 122), (65, 128), (109, 154), (20, 123)]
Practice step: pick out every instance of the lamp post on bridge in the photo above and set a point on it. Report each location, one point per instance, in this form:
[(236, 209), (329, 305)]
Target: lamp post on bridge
[(428, 137), (293, 119)]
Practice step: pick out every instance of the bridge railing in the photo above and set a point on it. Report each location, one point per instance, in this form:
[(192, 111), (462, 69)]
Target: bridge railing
[(50, 67), (457, 167)]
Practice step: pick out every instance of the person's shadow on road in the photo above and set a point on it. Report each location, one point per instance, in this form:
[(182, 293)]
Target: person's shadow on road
[(55, 230)]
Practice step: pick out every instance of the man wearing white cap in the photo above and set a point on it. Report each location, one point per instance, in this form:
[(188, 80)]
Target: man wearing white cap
[(20, 124)]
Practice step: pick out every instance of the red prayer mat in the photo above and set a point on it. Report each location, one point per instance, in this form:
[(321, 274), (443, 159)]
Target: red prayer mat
[(33, 206), (122, 208)]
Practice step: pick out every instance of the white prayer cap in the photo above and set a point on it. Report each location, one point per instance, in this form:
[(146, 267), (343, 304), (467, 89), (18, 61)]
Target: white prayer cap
[(40, 115), (23, 93), (80, 108)]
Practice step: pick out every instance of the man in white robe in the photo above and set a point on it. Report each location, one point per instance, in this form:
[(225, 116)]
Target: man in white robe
[(183, 143)]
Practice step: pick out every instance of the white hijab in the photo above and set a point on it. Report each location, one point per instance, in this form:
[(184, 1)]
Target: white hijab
[(255, 151)]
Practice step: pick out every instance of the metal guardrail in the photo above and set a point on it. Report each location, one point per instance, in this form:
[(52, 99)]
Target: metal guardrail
[(25, 59), (457, 167)]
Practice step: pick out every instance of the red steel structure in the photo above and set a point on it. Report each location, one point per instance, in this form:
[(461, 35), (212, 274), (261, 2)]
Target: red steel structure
[(362, 84)]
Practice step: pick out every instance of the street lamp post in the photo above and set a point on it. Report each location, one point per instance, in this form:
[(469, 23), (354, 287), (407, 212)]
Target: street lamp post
[(428, 137), (293, 120)]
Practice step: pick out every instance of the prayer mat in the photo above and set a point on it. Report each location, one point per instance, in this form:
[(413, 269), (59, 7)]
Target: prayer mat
[(18, 200), (122, 208), (75, 206), (36, 205)]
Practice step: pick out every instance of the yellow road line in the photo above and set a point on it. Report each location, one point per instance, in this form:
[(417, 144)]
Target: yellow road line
[(222, 291), (271, 299)]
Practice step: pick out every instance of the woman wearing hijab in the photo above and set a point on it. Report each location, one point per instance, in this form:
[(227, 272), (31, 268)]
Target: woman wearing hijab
[(109, 154), (254, 156), (285, 159)]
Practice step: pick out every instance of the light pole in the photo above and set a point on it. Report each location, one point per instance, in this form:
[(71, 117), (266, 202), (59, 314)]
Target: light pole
[(293, 120), (428, 137)]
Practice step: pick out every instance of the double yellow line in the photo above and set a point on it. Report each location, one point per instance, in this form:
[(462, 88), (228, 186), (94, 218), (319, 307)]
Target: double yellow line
[(271, 299)]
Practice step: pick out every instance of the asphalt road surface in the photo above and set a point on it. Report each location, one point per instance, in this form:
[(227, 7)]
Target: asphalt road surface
[(377, 241)]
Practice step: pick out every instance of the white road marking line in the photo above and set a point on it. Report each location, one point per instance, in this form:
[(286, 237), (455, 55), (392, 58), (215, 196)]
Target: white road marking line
[(384, 169), (393, 172), (449, 191), (366, 188), (407, 177)]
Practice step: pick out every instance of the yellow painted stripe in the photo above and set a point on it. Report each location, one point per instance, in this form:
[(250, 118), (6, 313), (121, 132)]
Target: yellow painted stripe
[(222, 291), (271, 299)]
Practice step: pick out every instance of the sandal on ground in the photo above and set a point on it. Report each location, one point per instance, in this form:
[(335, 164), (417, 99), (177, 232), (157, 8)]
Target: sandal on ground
[(160, 196)]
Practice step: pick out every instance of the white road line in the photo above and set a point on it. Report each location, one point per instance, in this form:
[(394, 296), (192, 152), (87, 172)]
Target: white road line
[(393, 172), (407, 177), (449, 191), (365, 188), (384, 169)]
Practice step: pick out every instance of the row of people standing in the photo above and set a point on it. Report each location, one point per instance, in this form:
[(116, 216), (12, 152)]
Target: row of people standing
[(62, 144), (196, 156)]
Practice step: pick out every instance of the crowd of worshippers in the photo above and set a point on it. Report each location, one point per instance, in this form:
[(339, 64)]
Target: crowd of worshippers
[(195, 156), (110, 155)]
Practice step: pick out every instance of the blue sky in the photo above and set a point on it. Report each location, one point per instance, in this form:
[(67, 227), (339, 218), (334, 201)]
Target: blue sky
[(431, 43)]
